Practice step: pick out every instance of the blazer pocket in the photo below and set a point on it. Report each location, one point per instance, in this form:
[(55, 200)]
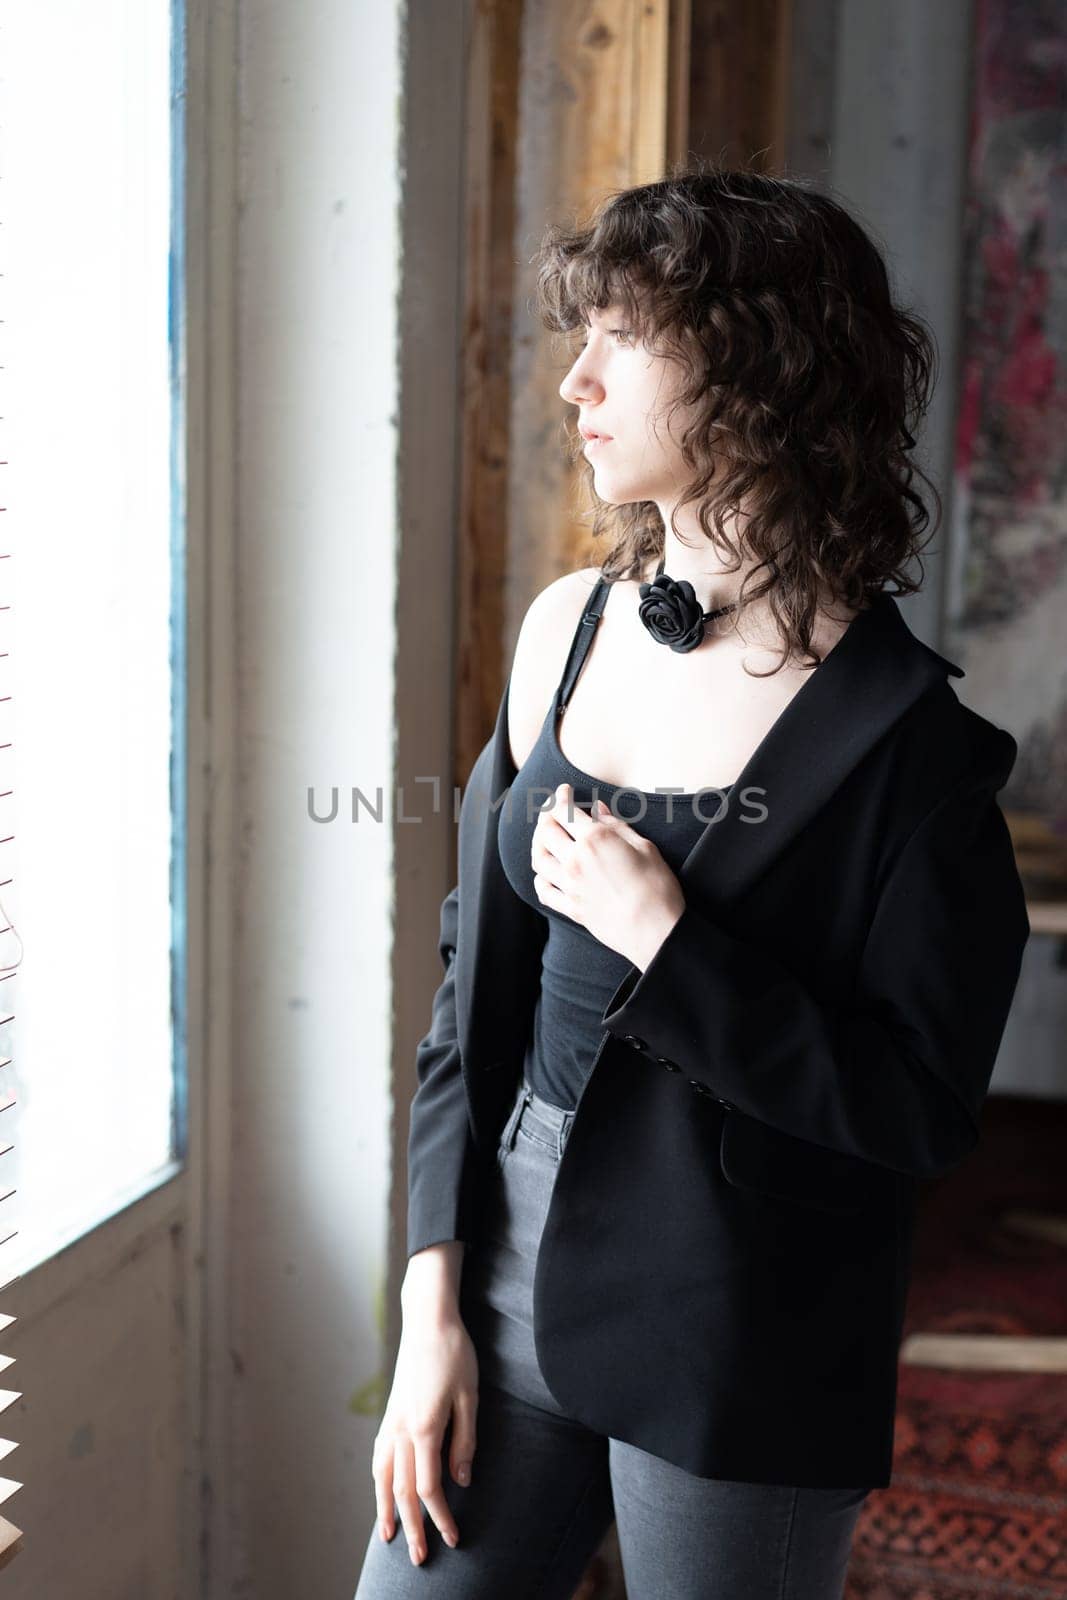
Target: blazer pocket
[(755, 1156)]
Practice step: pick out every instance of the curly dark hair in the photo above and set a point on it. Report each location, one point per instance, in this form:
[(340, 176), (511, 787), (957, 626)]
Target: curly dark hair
[(809, 382)]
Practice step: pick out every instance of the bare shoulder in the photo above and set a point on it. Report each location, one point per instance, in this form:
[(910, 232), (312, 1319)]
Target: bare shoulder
[(541, 653)]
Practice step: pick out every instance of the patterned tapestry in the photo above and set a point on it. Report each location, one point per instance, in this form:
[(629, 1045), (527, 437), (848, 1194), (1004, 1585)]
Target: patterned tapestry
[(1007, 599)]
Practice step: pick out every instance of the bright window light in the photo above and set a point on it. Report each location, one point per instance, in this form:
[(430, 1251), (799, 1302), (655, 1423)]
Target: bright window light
[(95, 511)]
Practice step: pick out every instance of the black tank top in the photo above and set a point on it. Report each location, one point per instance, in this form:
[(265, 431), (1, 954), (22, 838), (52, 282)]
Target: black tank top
[(579, 974)]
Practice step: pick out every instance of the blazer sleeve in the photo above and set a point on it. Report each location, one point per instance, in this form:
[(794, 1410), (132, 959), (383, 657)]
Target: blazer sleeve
[(896, 1074), (439, 1136)]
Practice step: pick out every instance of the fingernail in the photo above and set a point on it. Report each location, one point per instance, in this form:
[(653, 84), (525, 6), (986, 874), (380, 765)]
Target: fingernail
[(450, 1539), (464, 1472)]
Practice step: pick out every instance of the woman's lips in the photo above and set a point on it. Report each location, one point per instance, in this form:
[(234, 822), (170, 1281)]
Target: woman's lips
[(595, 441)]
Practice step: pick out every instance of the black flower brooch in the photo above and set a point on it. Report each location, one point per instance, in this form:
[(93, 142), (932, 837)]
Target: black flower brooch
[(672, 613)]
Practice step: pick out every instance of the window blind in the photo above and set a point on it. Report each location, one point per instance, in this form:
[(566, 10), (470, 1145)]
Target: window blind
[(10, 1535)]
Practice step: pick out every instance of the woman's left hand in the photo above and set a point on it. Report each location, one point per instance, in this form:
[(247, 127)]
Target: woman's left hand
[(599, 872)]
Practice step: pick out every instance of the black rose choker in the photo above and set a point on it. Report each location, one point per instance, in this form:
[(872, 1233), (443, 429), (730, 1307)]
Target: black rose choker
[(672, 614)]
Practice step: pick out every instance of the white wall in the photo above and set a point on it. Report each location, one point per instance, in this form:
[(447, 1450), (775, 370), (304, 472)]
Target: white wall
[(315, 581)]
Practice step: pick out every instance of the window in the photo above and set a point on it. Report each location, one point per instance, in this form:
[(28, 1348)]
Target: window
[(91, 185)]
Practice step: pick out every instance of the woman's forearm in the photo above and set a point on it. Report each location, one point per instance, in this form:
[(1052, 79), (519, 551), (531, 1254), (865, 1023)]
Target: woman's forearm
[(431, 1282)]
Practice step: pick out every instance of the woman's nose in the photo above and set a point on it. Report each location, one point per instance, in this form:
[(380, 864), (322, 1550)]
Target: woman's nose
[(578, 384)]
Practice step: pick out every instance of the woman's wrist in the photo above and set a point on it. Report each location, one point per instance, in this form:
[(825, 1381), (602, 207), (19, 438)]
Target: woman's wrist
[(431, 1282)]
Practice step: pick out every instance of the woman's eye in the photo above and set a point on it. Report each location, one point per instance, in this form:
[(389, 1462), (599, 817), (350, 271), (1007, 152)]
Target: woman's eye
[(621, 333)]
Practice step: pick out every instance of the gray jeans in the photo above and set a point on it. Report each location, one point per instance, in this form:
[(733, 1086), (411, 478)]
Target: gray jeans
[(545, 1490)]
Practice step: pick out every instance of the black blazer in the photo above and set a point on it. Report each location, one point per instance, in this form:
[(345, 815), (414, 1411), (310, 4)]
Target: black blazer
[(722, 1274)]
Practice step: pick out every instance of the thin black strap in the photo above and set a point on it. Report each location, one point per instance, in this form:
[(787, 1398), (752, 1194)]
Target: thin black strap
[(583, 638)]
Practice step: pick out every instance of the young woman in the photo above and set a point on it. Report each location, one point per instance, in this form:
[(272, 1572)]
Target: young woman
[(725, 974)]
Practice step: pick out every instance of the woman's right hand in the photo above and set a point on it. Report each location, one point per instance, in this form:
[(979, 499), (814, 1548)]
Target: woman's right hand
[(436, 1378)]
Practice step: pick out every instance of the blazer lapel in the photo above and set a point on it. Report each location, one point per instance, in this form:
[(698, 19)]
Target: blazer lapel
[(874, 673), (506, 934), (877, 669)]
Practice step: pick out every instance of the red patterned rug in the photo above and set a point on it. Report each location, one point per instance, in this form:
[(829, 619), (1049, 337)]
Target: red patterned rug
[(977, 1509)]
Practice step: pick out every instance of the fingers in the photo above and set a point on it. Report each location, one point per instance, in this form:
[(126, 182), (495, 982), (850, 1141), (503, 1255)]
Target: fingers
[(461, 1453), (406, 1495), (427, 1444), (382, 1470), (439, 1390), (407, 1469), (563, 816)]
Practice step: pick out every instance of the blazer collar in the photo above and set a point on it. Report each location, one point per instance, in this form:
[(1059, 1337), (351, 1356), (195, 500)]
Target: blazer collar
[(874, 673)]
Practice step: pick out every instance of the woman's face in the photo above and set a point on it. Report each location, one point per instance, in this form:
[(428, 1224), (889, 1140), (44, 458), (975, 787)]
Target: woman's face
[(624, 391)]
